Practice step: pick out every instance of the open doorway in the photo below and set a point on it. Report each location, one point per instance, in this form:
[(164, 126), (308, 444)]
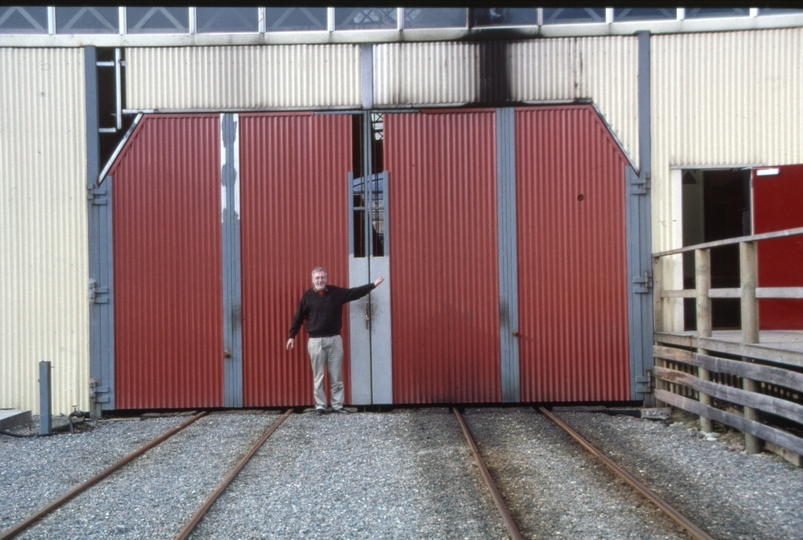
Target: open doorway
[(716, 206)]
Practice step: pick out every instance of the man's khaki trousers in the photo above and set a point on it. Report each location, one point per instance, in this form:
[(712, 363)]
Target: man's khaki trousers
[(327, 351)]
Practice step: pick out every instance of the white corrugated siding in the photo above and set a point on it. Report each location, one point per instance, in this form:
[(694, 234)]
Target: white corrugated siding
[(43, 246), (603, 69), (243, 77), (720, 99)]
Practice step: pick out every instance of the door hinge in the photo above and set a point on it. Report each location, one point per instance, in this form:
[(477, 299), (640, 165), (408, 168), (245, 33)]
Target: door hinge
[(645, 384), (98, 295), (98, 196), (642, 284), (640, 185), (96, 391)]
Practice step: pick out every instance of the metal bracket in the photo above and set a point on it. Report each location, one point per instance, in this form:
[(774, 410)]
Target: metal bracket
[(642, 284)]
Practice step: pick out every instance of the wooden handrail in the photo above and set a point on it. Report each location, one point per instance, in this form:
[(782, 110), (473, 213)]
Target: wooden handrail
[(731, 241), (761, 292)]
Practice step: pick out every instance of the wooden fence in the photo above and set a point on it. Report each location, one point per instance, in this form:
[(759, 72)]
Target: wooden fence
[(739, 384)]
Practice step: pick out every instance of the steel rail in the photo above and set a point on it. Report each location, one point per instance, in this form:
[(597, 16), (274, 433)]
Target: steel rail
[(664, 506), (199, 515), (500, 503), (33, 518)]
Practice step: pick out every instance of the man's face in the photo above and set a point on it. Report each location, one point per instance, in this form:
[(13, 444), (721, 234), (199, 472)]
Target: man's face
[(319, 280)]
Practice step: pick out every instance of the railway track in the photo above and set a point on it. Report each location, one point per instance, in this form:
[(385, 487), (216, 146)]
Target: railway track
[(196, 518), (691, 528)]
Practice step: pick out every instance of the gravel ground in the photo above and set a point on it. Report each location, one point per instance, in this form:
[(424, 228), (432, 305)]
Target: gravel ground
[(408, 474), (405, 474), (727, 492)]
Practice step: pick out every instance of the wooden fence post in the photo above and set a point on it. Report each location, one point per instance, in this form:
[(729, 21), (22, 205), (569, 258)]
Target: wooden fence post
[(658, 314), (748, 275), (702, 279)]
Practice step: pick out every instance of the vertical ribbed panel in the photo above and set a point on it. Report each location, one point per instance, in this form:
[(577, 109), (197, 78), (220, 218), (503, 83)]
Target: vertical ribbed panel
[(603, 69), (43, 219), (274, 76), (719, 99), (167, 265), (573, 323), (445, 289), (294, 217)]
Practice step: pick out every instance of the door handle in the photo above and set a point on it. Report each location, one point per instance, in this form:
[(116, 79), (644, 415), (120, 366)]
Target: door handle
[(515, 333)]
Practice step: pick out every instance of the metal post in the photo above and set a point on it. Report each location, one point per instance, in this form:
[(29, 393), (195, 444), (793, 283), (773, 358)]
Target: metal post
[(45, 402), (702, 271), (748, 263)]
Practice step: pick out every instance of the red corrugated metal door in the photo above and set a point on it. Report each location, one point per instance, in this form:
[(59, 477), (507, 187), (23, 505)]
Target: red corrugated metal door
[(294, 217), (572, 267), (167, 265), (777, 204), (443, 256)]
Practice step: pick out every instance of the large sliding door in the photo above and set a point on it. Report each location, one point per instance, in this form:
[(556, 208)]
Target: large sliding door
[(501, 234), (572, 260), (443, 243), (167, 265), (294, 217)]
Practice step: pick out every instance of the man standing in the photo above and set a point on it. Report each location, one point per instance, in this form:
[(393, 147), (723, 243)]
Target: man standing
[(322, 308)]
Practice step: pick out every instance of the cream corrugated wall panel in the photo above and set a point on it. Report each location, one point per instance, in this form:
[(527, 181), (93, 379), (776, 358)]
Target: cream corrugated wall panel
[(421, 74), (719, 100), (603, 69), (243, 77), (44, 313)]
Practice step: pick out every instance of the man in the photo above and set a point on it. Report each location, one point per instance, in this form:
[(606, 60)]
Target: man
[(322, 308)]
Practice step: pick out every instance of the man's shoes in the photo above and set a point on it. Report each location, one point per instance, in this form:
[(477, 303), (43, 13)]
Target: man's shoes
[(320, 411), (341, 411)]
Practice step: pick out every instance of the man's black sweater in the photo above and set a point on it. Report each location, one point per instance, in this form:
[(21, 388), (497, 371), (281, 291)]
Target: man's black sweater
[(324, 312)]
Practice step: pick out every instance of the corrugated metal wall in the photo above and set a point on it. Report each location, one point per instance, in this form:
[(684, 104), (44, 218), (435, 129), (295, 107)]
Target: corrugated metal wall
[(445, 289), (279, 76), (573, 325), (294, 189), (604, 70), (44, 311), (719, 99), (168, 306)]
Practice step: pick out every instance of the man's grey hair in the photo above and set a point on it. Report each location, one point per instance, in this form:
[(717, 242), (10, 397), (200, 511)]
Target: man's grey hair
[(319, 269)]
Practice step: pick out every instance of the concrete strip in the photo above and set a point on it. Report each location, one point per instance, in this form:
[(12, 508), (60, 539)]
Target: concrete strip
[(11, 418)]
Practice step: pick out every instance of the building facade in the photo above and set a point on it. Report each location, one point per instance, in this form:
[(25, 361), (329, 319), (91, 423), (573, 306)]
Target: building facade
[(225, 94)]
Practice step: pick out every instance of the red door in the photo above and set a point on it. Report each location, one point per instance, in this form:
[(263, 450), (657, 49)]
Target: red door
[(294, 216), (443, 256), (572, 267), (777, 204), (167, 265)]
